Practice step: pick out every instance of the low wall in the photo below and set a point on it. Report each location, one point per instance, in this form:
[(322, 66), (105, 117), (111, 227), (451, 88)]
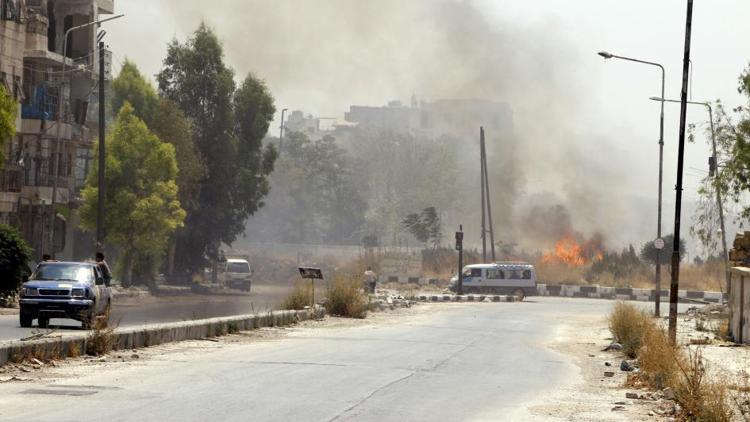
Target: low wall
[(739, 305), (464, 298), (129, 338), (624, 293)]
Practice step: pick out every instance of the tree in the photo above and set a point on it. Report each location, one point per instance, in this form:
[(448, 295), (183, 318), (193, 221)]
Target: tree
[(8, 113), (15, 255), (314, 198), (732, 174), (649, 252), (402, 173), (131, 87), (141, 205), (424, 226), (228, 128)]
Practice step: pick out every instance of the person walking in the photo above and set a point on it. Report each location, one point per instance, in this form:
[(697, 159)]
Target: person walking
[(371, 280)]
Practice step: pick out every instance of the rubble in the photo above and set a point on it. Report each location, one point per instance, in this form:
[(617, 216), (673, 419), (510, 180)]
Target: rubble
[(626, 366)]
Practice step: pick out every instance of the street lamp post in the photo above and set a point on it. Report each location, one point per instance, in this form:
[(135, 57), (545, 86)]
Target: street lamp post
[(717, 186), (281, 130), (657, 277), (56, 168)]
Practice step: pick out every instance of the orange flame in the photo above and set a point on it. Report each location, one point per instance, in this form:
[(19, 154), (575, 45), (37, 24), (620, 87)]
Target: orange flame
[(570, 252)]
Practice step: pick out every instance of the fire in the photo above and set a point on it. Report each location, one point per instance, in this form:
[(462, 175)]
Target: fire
[(574, 254)]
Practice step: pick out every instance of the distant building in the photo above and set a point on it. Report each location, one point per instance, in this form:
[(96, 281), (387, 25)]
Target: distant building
[(298, 122), (37, 167), (457, 117)]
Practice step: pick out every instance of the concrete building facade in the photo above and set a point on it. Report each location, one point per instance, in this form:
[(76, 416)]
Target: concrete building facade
[(42, 178)]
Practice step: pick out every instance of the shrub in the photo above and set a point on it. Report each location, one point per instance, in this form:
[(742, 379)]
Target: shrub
[(14, 259), (700, 399), (658, 358), (102, 338), (628, 326), (299, 297), (345, 298)]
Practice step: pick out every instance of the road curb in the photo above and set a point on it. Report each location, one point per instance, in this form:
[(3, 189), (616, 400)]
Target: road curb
[(624, 293), (131, 338), (465, 298)]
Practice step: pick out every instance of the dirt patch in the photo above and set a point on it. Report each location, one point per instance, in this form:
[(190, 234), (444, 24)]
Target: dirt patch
[(596, 396)]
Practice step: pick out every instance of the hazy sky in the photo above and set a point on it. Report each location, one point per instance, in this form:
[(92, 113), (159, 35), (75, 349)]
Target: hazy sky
[(321, 56)]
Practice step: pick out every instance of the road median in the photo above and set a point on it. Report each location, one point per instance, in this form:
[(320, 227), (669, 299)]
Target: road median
[(150, 335)]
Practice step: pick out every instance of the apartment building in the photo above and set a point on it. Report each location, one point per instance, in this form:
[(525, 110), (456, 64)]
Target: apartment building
[(47, 160)]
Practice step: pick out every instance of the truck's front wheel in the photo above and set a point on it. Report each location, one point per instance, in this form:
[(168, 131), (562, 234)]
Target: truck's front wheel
[(25, 320)]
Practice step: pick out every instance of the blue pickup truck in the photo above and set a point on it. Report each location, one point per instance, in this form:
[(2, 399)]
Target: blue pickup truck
[(74, 290)]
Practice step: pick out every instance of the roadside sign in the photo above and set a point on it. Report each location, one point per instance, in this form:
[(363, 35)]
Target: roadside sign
[(311, 273), (659, 243)]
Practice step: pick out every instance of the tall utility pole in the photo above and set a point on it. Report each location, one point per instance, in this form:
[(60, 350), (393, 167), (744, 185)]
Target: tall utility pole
[(675, 282), (484, 187), (657, 262), (56, 157), (281, 130), (487, 192), (717, 185), (102, 129), (460, 249)]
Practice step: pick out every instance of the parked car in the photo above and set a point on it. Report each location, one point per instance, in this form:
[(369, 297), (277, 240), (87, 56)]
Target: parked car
[(238, 274), (74, 290)]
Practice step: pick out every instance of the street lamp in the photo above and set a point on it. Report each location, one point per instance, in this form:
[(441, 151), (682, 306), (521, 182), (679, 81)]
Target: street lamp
[(717, 187), (657, 297), (59, 119)]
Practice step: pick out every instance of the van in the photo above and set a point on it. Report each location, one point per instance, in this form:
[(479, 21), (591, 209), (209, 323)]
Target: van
[(517, 279), (238, 274)]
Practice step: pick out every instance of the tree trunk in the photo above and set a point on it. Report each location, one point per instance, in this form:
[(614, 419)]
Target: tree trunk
[(170, 257), (127, 269)]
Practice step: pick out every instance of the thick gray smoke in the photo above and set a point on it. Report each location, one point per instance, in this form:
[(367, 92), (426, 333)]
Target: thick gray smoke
[(323, 56)]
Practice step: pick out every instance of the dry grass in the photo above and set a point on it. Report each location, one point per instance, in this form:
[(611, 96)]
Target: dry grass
[(628, 325), (658, 358), (699, 398), (345, 298), (299, 297), (102, 338)]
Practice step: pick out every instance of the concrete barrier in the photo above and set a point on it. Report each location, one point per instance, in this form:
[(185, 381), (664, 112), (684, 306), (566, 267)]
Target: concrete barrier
[(465, 298), (135, 337), (623, 293)]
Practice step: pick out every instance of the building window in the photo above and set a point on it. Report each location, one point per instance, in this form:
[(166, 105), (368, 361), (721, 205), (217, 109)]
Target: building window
[(11, 10)]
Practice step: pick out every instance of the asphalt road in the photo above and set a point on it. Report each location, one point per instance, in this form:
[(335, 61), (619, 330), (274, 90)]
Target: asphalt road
[(484, 361), (127, 312)]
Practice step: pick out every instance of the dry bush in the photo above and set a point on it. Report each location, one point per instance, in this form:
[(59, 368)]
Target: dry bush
[(658, 358), (720, 328), (628, 325), (558, 273), (102, 338), (699, 398), (299, 297), (345, 298)]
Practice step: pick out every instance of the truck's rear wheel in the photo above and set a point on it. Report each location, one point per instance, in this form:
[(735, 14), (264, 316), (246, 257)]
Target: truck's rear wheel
[(519, 294)]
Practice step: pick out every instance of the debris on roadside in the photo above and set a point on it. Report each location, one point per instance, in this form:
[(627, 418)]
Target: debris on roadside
[(626, 366), (613, 347)]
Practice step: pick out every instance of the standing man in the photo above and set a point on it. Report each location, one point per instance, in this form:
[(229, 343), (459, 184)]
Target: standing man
[(106, 272), (370, 280)]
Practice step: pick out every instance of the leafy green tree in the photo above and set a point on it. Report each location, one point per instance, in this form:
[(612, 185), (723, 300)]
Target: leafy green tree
[(314, 198), (15, 255), (8, 113), (141, 205), (130, 86), (402, 173), (649, 252), (228, 127)]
